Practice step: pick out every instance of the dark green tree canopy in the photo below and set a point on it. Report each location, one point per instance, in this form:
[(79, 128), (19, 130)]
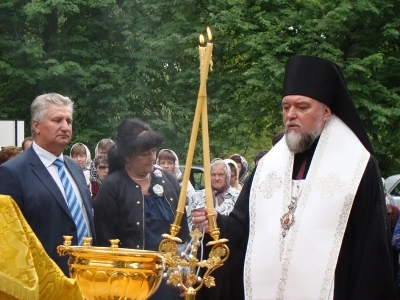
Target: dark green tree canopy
[(118, 58)]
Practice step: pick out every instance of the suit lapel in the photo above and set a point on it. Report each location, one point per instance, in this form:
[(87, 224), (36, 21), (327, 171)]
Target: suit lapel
[(43, 174)]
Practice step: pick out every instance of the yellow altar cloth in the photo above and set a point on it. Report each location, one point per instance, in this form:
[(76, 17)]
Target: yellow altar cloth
[(26, 271)]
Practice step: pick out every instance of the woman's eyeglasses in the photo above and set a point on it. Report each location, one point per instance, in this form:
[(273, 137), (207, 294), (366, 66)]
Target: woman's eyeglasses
[(103, 167)]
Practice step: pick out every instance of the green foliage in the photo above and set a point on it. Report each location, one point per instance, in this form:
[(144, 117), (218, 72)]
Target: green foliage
[(119, 58)]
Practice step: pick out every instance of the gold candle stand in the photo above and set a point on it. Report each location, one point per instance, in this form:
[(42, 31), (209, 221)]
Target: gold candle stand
[(178, 265)]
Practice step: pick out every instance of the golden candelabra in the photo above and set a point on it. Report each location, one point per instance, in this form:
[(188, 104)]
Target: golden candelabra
[(116, 273), (182, 271)]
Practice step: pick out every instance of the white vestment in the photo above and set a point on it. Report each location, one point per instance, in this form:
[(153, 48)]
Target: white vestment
[(301, 265)]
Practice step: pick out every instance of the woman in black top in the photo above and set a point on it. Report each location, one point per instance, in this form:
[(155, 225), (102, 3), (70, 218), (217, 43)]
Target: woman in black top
[(136, 202)]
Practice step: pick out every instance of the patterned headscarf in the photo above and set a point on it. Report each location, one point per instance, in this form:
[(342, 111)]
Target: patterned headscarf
[(177, 171), (219, 195)]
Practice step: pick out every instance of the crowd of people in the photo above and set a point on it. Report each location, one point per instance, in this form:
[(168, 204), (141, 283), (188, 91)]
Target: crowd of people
[(310, 221)]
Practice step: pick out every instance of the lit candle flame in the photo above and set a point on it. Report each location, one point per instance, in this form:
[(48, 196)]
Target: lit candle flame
[(201, 39), (209, 34)]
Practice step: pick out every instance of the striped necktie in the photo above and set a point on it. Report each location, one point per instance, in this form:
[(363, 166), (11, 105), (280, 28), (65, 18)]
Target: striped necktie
[(73, 202)]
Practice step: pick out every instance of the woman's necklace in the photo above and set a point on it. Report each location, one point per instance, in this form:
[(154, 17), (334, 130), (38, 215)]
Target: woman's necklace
[(146, 187), (140, 179)]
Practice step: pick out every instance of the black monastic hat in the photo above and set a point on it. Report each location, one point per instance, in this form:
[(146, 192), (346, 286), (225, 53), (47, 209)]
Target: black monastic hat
[(323, 80)]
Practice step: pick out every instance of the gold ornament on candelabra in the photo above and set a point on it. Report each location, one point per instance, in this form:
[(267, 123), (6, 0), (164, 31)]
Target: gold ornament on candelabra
[(182, 270), (117, 273)]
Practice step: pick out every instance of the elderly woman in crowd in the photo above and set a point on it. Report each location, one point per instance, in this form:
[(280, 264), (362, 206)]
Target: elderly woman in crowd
[(243, 167), (224, 195), (136, 202), (81, 155), (101, 165)]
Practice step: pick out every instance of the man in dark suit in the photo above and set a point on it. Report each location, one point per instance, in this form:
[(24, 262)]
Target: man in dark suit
[(49, 188)]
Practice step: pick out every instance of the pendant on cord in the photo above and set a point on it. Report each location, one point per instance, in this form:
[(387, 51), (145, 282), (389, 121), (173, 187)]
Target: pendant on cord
[(288, 219)]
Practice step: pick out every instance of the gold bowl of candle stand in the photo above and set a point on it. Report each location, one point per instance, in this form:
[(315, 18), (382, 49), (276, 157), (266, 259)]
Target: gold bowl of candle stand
[(104, 273)]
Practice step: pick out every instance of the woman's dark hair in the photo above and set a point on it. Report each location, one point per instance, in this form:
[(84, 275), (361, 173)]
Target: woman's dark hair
[(133, 137), (115, 161)]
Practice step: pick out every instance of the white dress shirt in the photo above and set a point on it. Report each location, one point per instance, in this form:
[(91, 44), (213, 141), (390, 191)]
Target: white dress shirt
[(48, 159)]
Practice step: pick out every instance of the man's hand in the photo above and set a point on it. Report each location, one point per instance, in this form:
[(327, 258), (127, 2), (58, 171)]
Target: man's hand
[(199, 217)]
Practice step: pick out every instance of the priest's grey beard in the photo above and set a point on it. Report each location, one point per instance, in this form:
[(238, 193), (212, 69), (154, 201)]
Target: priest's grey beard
[(299, 142)]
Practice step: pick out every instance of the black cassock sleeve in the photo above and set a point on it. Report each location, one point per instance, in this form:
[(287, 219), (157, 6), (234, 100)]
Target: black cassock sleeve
[(364, 268), (235, 227)]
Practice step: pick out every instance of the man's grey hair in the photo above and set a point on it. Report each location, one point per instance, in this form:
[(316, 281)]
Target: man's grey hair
[(40, 104)]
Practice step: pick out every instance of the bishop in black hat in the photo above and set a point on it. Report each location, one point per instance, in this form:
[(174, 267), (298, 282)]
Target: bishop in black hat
[(310, 223)]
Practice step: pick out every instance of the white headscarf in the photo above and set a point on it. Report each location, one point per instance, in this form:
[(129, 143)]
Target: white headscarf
[(177, 171), (96, 150), (88, 157), (233, 163)]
